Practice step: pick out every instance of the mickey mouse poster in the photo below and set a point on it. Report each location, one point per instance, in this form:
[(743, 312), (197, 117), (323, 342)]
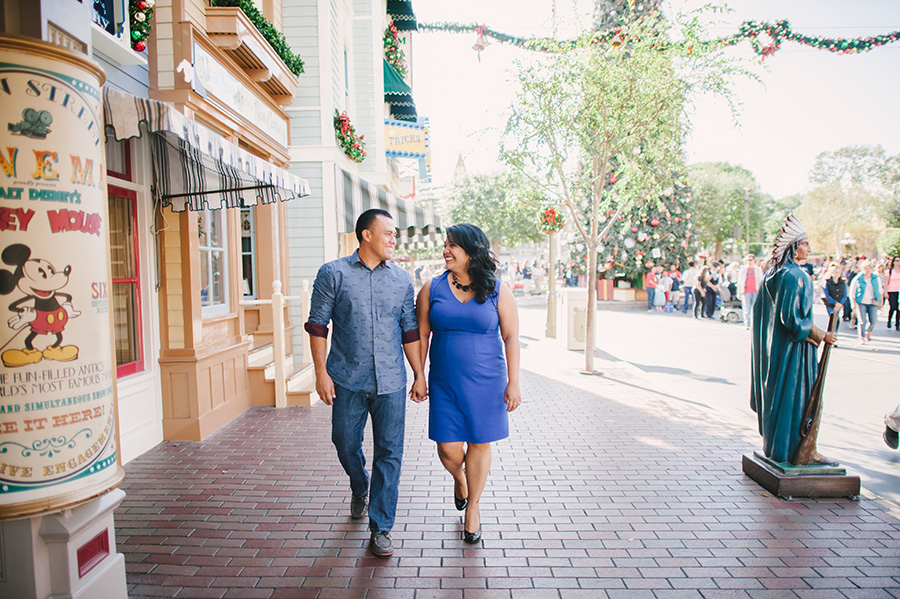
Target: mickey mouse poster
[(43, 309)]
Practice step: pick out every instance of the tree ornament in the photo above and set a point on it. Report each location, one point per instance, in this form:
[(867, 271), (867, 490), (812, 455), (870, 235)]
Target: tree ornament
[(140, 46), (654, 221)]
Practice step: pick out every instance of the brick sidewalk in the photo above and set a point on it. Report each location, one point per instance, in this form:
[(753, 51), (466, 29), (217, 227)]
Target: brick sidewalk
[(618, 494)]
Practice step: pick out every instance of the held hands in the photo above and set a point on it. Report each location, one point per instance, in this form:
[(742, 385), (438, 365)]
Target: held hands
[(512, 397), (419, 391), (325, 388)]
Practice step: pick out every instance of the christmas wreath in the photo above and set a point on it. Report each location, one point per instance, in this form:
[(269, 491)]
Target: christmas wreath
[(141, 12), (551, 220), (353, 145), (393, 53)]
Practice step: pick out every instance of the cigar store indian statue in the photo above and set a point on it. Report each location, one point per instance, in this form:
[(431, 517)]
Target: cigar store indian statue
[(785, 343)]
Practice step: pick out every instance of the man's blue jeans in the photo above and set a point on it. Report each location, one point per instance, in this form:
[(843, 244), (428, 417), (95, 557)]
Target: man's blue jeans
[(348, 421), (688, 296), (747, 307)]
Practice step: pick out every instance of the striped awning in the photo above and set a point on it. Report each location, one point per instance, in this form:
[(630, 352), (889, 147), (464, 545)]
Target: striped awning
[(194, 167), (417, 227), (398, 95)]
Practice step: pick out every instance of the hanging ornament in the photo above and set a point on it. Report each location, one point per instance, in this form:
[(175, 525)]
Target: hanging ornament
[(654, 221), (629, 242), (140, 46), (140, 17), (634, 229)]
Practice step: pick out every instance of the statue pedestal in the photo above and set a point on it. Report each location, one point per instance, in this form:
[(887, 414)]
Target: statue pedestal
[(786, 481)]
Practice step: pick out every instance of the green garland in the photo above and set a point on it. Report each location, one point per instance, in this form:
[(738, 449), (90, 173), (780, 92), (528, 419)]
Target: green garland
[(275, 38), (393, 53), (140, 11), (353, 145), (751, 31)]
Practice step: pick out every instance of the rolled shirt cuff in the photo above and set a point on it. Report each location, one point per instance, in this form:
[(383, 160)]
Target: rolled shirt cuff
[(316, 330), (410, 336)]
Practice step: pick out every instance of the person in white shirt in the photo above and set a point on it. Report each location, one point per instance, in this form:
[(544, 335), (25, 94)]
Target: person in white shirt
[(748, 284), (689, 279)]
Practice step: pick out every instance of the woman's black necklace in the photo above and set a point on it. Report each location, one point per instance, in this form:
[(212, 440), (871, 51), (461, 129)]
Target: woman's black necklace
[(463, 288)]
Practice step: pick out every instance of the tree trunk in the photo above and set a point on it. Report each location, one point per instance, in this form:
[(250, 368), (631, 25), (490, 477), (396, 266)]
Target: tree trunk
[(550, 330), (592, 243), (495, 247), (718, 253)]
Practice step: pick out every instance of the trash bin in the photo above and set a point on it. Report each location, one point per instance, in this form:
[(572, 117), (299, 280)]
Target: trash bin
[(572, 317)]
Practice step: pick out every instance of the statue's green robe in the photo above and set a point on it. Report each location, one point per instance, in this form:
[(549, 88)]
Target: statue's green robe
[(784, 365)]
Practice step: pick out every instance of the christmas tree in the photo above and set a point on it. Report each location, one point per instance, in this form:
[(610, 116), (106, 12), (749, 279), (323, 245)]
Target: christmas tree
[(653, 232), (609, 14)]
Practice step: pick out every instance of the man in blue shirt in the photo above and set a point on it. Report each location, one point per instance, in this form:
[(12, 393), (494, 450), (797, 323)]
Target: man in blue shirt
[(370, 302)]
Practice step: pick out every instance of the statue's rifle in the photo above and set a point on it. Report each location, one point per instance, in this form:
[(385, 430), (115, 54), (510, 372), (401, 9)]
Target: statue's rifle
[(814, 406)]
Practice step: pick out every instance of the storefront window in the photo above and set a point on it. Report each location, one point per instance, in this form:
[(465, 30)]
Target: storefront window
[(213, 271), (248, 252), (126, 283)]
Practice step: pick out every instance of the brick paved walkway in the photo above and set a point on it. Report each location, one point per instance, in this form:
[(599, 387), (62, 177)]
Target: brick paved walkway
[(617, 493)]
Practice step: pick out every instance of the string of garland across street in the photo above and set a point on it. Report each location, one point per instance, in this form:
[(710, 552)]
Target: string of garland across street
[(765, 38)]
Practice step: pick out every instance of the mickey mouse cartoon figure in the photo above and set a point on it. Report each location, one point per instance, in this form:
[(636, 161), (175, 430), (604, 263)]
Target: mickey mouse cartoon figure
[(43, 308)]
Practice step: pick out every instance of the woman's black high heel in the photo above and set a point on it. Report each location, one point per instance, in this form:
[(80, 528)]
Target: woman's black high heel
[(460, 503), (472, 538)]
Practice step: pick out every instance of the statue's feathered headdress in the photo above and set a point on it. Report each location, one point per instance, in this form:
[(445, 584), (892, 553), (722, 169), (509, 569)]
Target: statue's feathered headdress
[(792, 232)]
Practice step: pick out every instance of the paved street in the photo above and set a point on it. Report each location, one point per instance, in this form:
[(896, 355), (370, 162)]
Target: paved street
[(608, 488), (707, 363)]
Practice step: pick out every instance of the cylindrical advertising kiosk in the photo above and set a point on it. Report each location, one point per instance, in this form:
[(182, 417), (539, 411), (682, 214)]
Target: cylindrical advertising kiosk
[(58, 433)]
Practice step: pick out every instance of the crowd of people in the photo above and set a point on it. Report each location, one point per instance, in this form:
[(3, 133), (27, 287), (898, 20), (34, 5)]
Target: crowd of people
[(706, 286)]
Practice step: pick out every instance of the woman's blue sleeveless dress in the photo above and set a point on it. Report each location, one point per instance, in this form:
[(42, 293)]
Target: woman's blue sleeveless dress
[(468, 375)]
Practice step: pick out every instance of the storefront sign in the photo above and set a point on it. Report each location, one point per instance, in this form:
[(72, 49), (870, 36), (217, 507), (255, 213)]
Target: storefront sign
[(405, 140), (217, 80), (58, 440), (409, 140)]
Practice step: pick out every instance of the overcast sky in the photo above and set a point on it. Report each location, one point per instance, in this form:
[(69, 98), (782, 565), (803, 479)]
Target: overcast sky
[(810, 100)]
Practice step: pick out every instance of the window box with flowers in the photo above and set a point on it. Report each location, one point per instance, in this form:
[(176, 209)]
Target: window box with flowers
[(352, 144)]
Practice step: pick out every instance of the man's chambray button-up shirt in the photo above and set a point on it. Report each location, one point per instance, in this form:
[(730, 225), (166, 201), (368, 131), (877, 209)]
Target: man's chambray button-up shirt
[(373, 315)]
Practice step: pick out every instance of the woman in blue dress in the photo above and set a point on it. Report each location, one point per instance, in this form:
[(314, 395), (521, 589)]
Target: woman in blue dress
[(468, 317)]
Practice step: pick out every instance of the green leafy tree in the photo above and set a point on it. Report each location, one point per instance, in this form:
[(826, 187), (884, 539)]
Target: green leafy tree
[(721, 192), (493, 202), (832, 215), (588, 111), (854, 197), (890, 243)]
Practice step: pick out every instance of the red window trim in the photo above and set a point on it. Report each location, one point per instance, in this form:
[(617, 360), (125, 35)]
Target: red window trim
[(126, 176), (123, 370)]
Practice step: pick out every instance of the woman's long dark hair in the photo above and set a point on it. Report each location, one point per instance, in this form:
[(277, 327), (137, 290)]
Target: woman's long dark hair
[(482, 262)]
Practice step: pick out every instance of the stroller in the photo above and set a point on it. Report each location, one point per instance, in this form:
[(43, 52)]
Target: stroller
[(731, 308)]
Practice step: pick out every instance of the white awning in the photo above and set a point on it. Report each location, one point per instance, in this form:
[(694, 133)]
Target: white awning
[(417, 226), (194, 167)]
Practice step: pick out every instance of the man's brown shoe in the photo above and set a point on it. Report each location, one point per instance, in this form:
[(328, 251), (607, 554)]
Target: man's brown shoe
[(357, 507), (380, 543)]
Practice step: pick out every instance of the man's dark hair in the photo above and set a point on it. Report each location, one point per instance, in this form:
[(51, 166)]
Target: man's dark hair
[(366, 218), (690, 264)]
